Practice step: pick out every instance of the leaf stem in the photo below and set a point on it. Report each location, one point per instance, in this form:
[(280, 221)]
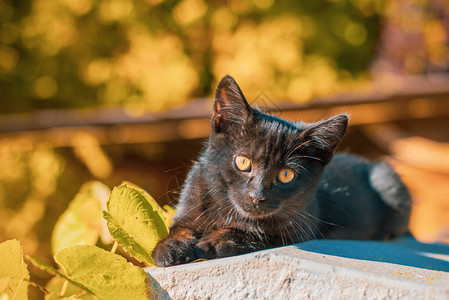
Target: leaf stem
[(76, 296), (64, 288), (39, 287), (114, 247)]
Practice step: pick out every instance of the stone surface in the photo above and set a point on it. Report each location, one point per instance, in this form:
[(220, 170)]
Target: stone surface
[(323, 269)]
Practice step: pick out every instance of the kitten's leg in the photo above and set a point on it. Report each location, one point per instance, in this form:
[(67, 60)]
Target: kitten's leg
[(228, 242), (177, 248)]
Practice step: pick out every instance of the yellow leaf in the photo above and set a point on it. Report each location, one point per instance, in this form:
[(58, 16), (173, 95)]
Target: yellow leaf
[(14, 274), (81, 223)]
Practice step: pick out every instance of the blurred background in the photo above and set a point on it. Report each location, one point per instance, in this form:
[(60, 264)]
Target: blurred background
[(122, 90)]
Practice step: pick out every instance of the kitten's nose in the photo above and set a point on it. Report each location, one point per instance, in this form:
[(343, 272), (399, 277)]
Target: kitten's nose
[(255, 199)]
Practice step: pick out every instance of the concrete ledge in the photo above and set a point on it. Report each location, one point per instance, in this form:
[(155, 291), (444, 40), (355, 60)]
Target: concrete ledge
[(325, 269)]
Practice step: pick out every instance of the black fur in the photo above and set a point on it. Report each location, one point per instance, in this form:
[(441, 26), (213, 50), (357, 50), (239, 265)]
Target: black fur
[(346, 197)]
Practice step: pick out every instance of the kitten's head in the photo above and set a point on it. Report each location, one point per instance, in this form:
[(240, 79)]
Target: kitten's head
[(265, 164)]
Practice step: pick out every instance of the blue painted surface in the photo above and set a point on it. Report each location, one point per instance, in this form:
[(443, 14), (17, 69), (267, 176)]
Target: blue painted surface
[(405, 251)]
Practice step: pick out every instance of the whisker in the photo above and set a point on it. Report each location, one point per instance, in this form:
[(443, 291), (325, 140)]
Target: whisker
[(302, 144), (311, 157), (176, 168), (297, 165), (322, 221)]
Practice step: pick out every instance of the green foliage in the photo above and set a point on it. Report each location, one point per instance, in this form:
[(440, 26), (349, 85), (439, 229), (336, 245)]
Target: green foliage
[(81, 223), (135, 221), (86, 271), (156, 54), (49, 269), (14, 274), (168, 213), (58, 284), (106, 275), (98, 272)]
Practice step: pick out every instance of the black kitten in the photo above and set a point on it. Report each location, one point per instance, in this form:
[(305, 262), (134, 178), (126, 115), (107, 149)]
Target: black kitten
[(263, 182)]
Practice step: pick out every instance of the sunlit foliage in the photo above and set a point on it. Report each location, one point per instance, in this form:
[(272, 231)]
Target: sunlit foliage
[(28, 177), (91, 53), (415, 38), (155, 54), (134, 220)]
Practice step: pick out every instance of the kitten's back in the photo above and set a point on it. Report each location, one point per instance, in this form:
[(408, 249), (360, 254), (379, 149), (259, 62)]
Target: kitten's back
[(362, 200)]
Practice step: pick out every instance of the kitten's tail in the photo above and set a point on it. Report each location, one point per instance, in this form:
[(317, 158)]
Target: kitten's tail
[(395, 195)]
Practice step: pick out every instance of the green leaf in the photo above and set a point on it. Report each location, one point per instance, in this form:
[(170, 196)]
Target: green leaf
[(149, 198), (44, 267), (135, 221), (4, 282), (106, 275), (13, 271), (55, 285), (98, 272), (81, 223), (168, 213)]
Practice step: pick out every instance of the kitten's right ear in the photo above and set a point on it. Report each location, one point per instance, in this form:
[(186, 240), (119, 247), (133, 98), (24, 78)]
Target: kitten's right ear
[(325, 136), (230, 107)]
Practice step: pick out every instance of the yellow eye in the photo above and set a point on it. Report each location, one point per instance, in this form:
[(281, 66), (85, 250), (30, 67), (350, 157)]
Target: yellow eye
[(286, 175), (243, 163)]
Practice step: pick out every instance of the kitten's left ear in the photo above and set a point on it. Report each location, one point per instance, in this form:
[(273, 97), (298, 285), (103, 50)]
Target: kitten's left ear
[(230, 107), (325, 136)]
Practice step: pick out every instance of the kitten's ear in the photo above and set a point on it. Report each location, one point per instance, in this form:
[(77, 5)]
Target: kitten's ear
[(230, 107), (325, 136)]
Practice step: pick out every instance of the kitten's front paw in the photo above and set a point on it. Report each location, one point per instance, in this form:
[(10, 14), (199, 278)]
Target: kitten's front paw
[(171, 251), (213, 248), (179, 247), (221, 243)]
